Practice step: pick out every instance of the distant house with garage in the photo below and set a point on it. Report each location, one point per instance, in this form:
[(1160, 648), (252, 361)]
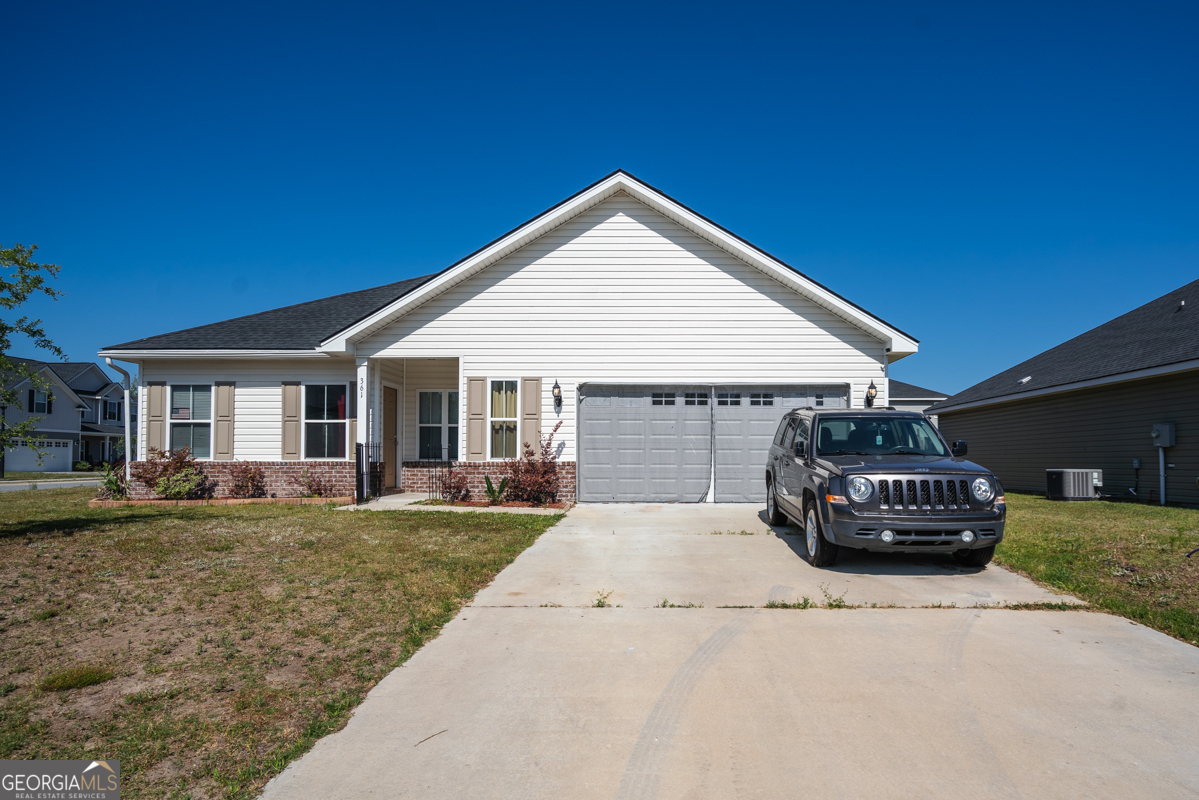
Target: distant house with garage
[(1092, 403), (79, 419), (667, 347)]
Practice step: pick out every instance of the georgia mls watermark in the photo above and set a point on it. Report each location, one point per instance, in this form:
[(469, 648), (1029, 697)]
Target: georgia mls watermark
[(60, 780)]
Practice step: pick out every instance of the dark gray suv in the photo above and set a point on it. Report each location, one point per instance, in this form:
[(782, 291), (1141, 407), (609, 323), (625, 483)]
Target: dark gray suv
[(881, 480)]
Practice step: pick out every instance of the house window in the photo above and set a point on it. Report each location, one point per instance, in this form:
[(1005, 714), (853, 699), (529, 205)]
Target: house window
[(191, 419), (438, 423), (728, 398), (662, 398), (695, 399), (325, 421), (112, 411), (761, 399), (39, 403), (503, 420), (819, 400)]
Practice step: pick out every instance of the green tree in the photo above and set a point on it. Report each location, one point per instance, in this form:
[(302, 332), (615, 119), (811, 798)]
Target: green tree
[(20, 278)]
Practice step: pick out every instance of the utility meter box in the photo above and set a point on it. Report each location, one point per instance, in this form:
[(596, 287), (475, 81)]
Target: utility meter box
[(1163, 434)]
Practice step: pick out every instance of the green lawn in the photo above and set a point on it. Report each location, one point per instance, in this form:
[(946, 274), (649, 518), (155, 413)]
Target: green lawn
[(48, 476), (206, 647), (1124, 558)]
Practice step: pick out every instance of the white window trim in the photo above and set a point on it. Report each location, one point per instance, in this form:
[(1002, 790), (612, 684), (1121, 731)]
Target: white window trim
[(172, 422), (45, 402), (117, 410), (304, 420), (446, 423), (487, 431)]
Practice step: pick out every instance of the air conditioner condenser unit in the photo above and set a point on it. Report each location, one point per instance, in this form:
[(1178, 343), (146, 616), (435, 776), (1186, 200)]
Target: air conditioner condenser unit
[(1073, 484)]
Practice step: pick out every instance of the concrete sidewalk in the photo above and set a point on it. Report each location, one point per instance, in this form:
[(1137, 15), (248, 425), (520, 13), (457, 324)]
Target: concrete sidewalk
[(514, 699)]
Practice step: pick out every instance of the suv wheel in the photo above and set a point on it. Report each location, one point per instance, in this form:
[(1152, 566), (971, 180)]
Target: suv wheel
[(821, 552), (773, 515), (979, 557)]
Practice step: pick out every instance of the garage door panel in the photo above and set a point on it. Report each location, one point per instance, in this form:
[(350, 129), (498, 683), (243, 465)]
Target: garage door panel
[(660, 453)]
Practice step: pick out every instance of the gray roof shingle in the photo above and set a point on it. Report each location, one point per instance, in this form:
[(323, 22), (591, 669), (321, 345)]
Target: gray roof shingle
[(906, 391), (1161, 332), (299, 327)]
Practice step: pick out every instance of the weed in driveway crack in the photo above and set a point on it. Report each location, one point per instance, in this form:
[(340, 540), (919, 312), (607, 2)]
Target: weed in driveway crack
[(667, 604)]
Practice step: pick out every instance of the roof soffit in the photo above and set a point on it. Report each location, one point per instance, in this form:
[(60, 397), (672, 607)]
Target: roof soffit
[(899, 343)]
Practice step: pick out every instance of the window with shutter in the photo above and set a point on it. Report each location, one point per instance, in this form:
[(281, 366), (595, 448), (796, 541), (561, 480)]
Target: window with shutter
[(191, 419)]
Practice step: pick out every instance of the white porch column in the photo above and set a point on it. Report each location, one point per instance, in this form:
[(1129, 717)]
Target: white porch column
[(377, 408), (364, 377)]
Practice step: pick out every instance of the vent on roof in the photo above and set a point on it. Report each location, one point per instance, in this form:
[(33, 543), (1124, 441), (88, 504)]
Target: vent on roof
[(1025, 379)]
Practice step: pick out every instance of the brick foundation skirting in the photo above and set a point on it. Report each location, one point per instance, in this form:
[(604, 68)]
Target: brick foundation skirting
[(417, 476), (282, 477)]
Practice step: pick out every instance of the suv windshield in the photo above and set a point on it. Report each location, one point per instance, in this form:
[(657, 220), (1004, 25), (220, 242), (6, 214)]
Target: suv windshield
[(877, 435)]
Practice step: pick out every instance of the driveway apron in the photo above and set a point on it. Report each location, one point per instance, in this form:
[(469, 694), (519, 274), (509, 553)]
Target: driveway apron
[(926, 687)]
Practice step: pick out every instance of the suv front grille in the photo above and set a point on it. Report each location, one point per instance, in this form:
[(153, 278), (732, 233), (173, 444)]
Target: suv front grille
[(945, 494)]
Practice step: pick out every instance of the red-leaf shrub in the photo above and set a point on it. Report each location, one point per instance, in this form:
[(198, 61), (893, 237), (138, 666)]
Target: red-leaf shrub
[(247, 481), (173, 472), (533, 478), (454, 487), (314, 486)]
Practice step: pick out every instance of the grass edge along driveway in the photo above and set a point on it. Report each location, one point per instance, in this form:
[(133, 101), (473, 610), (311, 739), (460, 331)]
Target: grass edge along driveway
[(1124, 558), (207, 647)]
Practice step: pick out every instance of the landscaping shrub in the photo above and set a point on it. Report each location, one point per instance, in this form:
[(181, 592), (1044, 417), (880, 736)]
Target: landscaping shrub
[(173, 475), (313, 486), (533, 478), (76, 678), (455, 488), (495, 495), (112, 486), (247, 481)]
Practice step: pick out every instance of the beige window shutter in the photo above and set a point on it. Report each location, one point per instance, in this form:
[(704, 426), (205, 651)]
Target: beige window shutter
[(530, 413), (223, 439), (156, 415), (476, 419), (291, 420)]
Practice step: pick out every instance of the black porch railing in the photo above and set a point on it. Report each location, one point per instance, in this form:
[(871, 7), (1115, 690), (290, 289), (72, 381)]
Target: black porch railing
[(435, 472), (368, 471)]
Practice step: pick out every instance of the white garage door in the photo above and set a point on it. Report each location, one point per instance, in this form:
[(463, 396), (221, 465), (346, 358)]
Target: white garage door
[(56, 457), (666, 444)]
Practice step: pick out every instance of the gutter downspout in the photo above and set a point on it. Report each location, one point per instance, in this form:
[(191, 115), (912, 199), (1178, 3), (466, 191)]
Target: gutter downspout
[(128, 440)]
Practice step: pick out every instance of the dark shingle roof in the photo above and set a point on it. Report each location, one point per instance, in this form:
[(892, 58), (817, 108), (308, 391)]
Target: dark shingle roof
[(109, 430), (1161, 332), (906, 391), (67, 371), (298, 327)]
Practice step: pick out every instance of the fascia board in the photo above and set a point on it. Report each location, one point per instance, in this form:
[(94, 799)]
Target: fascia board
[(1123, 377), (130, 355), (898, 343)]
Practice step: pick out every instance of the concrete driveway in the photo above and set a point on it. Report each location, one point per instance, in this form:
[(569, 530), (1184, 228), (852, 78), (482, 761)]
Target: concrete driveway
[(533, 692)]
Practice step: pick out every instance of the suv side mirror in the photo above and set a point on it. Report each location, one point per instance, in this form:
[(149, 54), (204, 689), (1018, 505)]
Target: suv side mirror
[(959, 448), (800, 448)]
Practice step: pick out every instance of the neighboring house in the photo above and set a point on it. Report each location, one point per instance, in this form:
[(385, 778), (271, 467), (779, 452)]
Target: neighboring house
[(1092, 402), (906, 397), (667, 347), (81, 418)]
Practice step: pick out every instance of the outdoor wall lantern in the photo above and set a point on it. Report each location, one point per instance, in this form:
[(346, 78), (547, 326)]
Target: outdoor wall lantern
[(871, 393), (557, 395)]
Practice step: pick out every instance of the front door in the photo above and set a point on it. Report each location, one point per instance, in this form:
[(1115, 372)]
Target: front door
[(390, 442)]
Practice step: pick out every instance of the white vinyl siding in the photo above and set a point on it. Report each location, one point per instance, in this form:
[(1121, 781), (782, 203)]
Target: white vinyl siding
[(257, 434), (423, 375), (621, 294)]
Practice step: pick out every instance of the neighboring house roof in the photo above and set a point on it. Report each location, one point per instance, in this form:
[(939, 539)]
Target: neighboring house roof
[(300, 327), (333, 324), (898, 390), (107, 430), (1161, 336), (55, 376)]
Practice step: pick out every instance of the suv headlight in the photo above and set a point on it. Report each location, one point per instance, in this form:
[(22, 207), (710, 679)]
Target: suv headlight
[(860, 489), (983, 490)]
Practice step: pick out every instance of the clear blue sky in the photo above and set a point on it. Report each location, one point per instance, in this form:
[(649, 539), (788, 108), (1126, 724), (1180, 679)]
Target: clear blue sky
[(992, 178)]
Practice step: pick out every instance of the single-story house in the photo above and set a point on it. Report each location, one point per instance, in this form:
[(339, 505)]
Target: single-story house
[(80, 418), (1092, 403), (907, 397), (665, 346)]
